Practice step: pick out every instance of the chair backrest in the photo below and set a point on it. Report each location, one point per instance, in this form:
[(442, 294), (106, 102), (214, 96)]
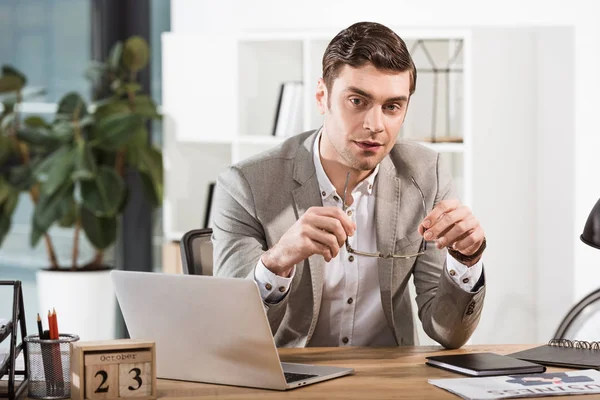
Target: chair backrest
[(197, 252), (583, 320)]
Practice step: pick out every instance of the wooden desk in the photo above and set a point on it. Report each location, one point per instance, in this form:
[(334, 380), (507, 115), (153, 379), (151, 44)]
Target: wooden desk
[(398, 373)]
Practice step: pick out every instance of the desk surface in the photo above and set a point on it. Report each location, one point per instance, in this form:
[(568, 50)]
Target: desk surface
[(398, 372)]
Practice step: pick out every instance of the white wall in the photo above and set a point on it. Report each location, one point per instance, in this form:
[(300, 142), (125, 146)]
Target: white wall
[(534, 180)]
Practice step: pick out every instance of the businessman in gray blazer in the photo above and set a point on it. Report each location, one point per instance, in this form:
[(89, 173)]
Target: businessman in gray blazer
[(332, 223)]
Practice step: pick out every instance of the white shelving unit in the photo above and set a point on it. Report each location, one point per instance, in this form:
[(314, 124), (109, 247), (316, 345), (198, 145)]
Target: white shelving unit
[(220, 96)]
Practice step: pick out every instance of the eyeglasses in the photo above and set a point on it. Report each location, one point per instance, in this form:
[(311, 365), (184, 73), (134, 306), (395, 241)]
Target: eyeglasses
[(422, 247)]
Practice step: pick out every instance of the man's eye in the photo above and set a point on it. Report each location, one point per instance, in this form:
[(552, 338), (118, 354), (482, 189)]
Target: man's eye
[(355, 101), (392, 107)]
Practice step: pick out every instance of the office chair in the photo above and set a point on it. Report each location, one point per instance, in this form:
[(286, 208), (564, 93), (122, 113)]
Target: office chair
[(582, 322), (197, 252)]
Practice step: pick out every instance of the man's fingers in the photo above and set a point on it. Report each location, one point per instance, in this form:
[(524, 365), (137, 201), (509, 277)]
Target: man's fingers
[(441, 208), (445, 222), (457, 231), (470, 243), (330, 225), (326, 239), (335, 212)]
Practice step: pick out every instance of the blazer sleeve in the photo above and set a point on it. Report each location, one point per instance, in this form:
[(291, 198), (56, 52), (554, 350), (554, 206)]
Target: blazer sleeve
[(238, 236), (448, 313)]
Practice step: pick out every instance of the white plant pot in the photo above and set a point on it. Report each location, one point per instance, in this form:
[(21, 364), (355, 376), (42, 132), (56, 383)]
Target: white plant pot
[(85, 302)]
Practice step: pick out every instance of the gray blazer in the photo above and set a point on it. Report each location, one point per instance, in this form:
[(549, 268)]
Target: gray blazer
[(259, 199)]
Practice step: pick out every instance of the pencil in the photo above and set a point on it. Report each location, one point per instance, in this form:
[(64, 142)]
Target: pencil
[(39, 325)]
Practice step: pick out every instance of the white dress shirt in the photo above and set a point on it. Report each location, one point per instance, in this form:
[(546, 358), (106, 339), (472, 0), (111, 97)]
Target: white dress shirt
[(351, 313)]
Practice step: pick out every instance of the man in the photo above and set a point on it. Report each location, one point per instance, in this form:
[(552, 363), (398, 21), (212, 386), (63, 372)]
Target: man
[(301, 218)]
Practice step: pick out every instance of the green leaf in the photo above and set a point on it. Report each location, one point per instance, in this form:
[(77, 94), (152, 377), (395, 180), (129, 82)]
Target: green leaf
[(110, 107), (135, 53), (151, 191), (131, 87), (36, 235), (11, 202), (103, 194), (49, 209), (114, 56), (149, 163), (85, 164), (114, 131), (55, 170), (7, 70), (63, 131), (10, 84), (71, 107), (38, 137), (21, 177), (6, 148), (36, 122), (4, 225), (68, 211), (145, 106), (101, 232), (4, 190)]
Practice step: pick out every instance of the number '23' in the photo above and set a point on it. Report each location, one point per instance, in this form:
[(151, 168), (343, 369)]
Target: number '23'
[(104, 376)]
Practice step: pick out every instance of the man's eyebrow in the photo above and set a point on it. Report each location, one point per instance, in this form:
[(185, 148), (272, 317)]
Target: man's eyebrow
[(370, 96)]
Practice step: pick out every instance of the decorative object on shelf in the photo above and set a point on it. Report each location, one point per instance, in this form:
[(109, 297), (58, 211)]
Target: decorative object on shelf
[(8, 363), (73, 167), (439, 59), (209, 205), (113, 369), (288, 115)]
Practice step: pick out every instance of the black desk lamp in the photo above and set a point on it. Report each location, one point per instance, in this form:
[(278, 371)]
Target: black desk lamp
[(591, 237), (591, 231)]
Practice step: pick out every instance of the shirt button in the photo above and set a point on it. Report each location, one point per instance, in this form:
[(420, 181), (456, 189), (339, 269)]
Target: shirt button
[(282, 289), (349, 213), (336, 198), (452, 272), (370, 187), (323, 193), (345, 340), (466, 280), (350, 301), (350, 258), (268, 286)]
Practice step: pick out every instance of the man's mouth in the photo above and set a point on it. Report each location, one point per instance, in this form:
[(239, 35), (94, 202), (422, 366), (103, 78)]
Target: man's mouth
[(367, 145)]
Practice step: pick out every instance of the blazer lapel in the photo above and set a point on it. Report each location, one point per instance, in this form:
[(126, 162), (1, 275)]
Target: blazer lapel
[(305, 196), (387, 206)]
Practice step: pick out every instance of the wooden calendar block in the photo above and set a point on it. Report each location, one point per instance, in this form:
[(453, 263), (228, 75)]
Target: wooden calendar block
[(102, 381), (135, 380), (113, 369)]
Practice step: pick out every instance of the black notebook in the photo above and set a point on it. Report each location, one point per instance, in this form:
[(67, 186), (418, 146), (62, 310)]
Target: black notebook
[(484, 364), (564, 353)]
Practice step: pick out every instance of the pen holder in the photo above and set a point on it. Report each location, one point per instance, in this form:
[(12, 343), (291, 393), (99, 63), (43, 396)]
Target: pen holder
[(48, 362)]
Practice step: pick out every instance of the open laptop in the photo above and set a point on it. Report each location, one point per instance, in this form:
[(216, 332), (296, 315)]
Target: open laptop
[(209, 329)]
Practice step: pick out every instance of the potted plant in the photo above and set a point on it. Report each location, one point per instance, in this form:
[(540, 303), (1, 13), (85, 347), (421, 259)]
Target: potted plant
[(81, 159)]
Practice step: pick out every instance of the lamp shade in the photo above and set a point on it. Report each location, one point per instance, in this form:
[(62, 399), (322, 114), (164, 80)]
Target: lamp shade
[(591, 231)]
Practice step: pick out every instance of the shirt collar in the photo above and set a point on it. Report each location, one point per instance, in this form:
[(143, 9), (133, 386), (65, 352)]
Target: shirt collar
[(327, 188)]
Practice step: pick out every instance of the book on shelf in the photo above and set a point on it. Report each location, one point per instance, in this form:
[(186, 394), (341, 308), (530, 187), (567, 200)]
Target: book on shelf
[(288, 113)]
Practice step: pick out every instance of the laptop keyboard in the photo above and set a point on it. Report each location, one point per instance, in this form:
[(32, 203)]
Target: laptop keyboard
[(291, 377)]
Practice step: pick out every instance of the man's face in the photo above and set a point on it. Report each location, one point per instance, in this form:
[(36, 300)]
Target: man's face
[(363, 115)]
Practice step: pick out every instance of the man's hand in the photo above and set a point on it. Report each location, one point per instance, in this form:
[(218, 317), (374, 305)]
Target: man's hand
[(321, 230), (452, 224)]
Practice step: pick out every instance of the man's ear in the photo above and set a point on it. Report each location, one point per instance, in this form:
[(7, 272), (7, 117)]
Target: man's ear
[(321, 96)]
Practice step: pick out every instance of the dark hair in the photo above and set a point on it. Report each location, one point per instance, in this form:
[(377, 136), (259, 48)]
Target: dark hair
[(367, 42)]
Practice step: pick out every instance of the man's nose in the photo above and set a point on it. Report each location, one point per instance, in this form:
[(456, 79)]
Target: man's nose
[(374, 120)]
